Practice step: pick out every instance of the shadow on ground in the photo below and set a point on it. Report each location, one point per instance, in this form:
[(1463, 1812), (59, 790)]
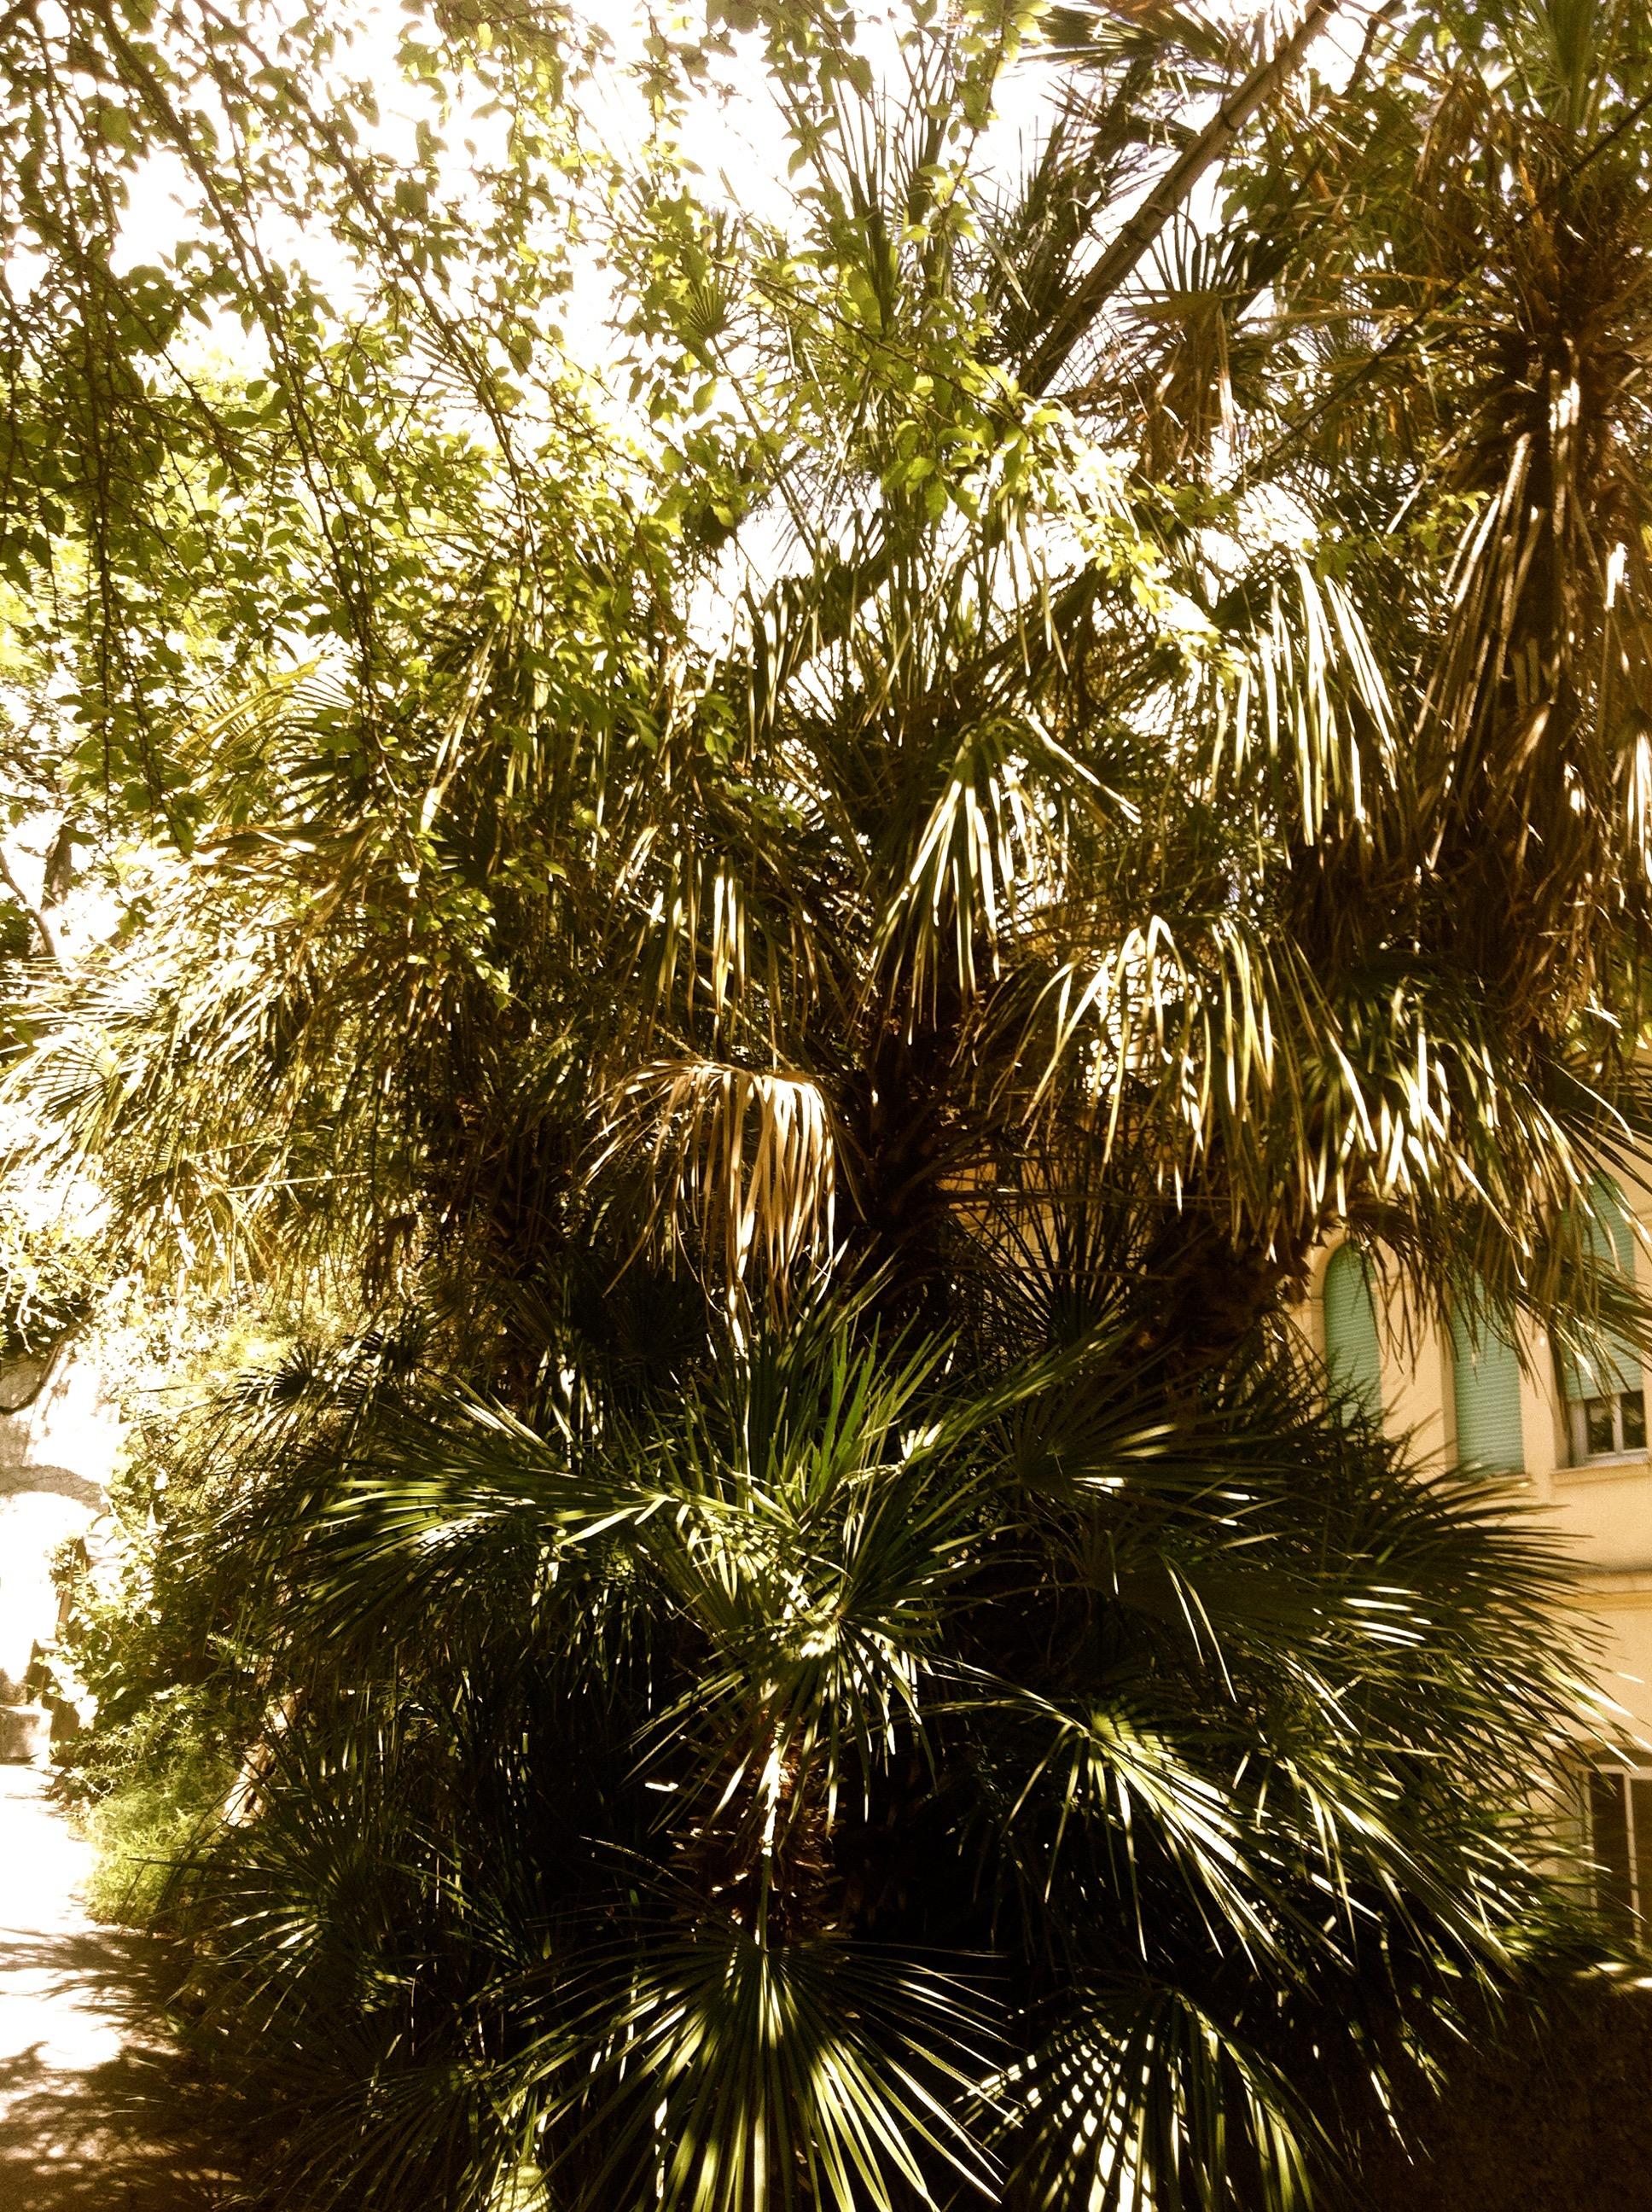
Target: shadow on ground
[(1551, 2114), (91, 2112)]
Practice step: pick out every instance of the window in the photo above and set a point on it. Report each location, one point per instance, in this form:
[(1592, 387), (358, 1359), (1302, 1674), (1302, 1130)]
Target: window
[(1486, 1378), (1610, 1427), (1605, 1398), (1352, 1350), (1620, 1843)]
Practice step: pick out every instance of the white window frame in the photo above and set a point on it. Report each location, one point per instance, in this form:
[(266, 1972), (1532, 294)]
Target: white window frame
[(1577, 1430)]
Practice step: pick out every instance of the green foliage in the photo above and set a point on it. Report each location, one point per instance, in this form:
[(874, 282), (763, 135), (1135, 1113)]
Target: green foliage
[(843, 771), (16, 932), (48, 1284), (147, 1657), (167, 1775), (798, 915), (859, 1777)]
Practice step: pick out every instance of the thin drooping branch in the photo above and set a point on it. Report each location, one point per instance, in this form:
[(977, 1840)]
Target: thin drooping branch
[(43, 928), (1126, 249)]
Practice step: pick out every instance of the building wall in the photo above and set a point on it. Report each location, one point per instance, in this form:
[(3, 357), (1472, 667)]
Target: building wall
[(1601, 1509)]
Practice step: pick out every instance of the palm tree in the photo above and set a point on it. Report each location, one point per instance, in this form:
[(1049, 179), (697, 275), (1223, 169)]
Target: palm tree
[(832, 1648)]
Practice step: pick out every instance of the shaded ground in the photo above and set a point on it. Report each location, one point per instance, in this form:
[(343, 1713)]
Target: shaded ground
[(89, 2103), (1555, 2119)]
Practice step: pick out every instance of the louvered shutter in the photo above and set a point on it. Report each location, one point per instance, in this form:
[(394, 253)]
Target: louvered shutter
[(1616, 1365), (1486, 1374), (1351, 1351)]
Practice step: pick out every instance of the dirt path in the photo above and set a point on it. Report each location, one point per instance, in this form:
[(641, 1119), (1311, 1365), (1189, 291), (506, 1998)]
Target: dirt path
[(86, 2094)]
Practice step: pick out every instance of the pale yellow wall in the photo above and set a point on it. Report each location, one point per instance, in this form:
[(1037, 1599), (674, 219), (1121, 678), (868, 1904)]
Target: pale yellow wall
[(1603, 1512), (1417, 1397), (1621, 1609)]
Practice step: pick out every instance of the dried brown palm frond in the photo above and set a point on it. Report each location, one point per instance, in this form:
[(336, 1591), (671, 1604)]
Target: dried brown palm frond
[(742, 1164)]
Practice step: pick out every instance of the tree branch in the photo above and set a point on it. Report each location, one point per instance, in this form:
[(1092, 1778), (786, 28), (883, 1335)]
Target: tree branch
[(1125, 249), (47, 935)]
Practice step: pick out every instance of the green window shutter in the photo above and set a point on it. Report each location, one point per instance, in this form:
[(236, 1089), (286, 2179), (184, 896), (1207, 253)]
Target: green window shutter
[(1486, 1374), (1616, 1365), (1351, 1351)]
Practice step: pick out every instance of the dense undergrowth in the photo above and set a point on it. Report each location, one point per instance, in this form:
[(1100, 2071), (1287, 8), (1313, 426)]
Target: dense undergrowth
[(832, 1768), (147, 1655)]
